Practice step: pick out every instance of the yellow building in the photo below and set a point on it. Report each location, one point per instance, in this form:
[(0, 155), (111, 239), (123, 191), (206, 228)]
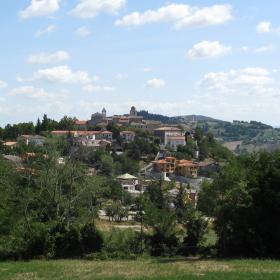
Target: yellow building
[(171, 165)]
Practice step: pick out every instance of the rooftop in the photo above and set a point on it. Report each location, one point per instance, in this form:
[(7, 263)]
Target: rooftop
[(168, 128), (126, 176)]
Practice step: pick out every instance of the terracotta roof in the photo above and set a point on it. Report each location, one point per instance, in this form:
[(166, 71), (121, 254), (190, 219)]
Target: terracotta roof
[(10, 144), (80, 122), (160, 161)]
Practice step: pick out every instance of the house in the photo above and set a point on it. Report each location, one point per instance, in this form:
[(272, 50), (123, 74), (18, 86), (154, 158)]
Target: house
[(170, 165), (10, 144), (81, 125), (164, 132), (130, 184), (35, 140), (127, 136), (86, 134), (186, 168), (175, 141)]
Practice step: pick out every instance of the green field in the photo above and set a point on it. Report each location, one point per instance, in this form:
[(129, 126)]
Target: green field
[(175, 268)]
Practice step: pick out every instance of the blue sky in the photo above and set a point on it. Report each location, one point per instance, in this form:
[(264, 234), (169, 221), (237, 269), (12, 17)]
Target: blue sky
[(74, 57)]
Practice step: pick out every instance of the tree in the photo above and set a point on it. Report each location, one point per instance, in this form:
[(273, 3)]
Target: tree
[(247, 206)]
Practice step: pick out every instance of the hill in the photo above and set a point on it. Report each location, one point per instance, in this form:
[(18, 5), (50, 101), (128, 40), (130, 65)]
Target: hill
[(239, 136)]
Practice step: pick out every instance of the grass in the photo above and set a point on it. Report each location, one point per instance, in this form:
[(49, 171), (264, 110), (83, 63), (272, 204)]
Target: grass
[(173, 269)]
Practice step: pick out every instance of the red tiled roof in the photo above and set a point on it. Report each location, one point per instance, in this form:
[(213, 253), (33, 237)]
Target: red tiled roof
[(80, 122)]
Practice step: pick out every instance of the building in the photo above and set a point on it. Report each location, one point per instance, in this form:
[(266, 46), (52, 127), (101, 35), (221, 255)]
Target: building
[(186, 168), (81, 125), (127, 136), (133, 111), (35, 140), (175, 141), (87, 134), (98, 118), (164, 132), (170, 165), (130, 184)]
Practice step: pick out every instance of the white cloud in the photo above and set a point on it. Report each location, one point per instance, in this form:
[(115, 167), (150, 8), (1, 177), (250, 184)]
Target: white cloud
[(47, 30), (44, 58), (255, 81), (263, 49), (63, 74), (40, 8), (264, 27), (91, 8), (208, 49), (82, 31), (29, 91), (180, 15), (121, 76), (3, 84), (98, 88), (156, 83)]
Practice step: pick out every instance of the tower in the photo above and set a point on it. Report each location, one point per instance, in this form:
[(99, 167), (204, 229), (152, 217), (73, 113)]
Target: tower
[(104, 112), (133, 111)]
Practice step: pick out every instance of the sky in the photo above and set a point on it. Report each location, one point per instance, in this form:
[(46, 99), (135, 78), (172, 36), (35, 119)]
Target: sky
[(74, 57)]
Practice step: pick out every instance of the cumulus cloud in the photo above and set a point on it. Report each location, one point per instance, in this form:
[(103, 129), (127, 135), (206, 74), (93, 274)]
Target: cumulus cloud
[(29, 91), (82, 31), (98, 88), (60, 74), (40, 8), (3, 84), (44, 58), (264, 27), (208, 49), (91, 8), (46, 30), (155, 83), (255, 81), (180, 15)]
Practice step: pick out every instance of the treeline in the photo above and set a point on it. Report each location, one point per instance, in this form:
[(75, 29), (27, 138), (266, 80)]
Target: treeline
[(11, 132)]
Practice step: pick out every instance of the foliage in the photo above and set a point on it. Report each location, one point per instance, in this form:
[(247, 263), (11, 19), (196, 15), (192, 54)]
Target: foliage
[(245, 199)]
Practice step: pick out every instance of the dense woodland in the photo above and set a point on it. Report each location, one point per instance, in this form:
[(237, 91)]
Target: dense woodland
[(50, 210)]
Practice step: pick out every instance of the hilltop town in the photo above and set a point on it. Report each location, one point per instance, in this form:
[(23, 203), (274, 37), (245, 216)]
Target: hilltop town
[(133, 150)]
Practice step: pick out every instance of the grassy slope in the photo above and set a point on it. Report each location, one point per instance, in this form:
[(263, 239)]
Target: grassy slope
[(141, 269)]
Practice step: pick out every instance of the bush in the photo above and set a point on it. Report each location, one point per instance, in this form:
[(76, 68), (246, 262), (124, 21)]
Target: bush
[(68, 242), (122, 244), (92, 239)]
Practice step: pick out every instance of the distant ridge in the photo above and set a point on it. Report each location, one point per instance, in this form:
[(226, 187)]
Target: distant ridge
[(176, 119)]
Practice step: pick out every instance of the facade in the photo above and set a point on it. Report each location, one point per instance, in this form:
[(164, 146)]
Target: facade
[(170, 165), (81, 125), (35, 140), (89, 135), (127, 136), (175, 141), (130, 184), (164, 132)]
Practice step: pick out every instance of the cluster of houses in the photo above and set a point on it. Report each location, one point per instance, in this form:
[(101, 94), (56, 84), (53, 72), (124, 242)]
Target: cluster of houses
[(181, 171)]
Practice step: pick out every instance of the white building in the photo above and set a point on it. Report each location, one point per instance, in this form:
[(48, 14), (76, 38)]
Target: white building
[(130, 184), (127, 136)]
